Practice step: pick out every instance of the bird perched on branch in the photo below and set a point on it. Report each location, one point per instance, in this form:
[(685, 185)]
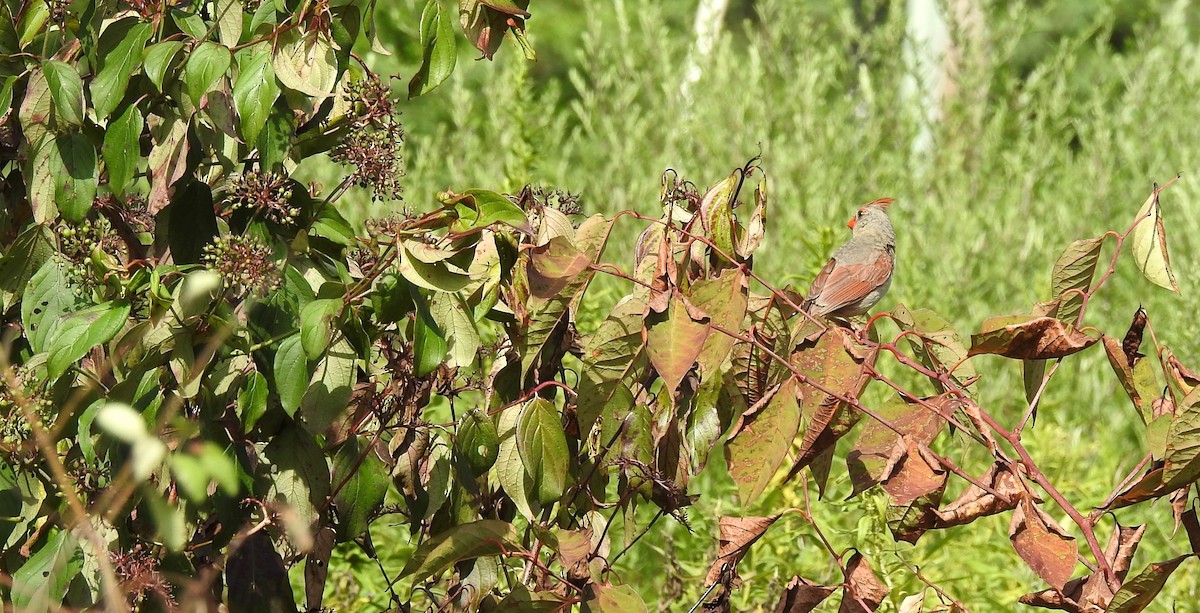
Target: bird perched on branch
[(860, 272)]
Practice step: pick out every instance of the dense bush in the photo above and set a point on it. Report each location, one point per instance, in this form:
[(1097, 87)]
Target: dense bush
[(210, 378)]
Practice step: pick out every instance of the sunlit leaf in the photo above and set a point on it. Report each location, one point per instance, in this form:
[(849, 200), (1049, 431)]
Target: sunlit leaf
[(486, 537), (110, 83), (1028, 337), (761, 443), (1148, 243), (439, 50), (542, 445)]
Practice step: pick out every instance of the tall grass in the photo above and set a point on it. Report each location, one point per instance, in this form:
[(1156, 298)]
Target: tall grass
[(1025, 159)]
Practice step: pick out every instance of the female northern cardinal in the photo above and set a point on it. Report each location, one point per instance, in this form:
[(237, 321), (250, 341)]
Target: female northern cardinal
[(860, 272)]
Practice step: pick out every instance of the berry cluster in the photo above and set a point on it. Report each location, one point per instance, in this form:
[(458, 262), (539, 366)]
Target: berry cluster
[(265, 193), (244, 263), (533, 198), (14, 428), (373, 146)]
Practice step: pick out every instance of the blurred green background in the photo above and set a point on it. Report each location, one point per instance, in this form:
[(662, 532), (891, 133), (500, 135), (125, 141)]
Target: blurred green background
[(1061, 116)]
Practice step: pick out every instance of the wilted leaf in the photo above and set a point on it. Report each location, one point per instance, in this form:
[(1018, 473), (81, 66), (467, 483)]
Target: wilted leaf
[(878, 448), (761, 442), (863, 590), (486, 22), (1042, 544), (674, 339), (1138, 379), (975, 502), (168, 159), (486, 537), (802, 596), (1148, 243), (737, 534), (915, 486), (1026, 337)]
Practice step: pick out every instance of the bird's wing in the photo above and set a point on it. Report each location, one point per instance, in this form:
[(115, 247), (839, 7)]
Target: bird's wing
[(842, 284)]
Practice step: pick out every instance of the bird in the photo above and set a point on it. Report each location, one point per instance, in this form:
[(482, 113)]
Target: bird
[(860, 272)]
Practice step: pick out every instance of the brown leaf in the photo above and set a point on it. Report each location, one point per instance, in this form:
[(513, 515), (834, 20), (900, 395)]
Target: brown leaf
[(168, 159), (737, 534), (1137, 378), (1149, 486), (316, 566), (1025, 337), (485, 22), (915, 486), (801, 596), (1091, 593), (1133, 338), (863, 590), (255, 572), (1184, 377), (829, 363), (1191, 525), (975, 502), (1042, 544), (878, 448)]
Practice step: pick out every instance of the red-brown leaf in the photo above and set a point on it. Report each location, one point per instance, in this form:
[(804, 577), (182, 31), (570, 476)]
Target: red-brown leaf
[(864, 591), (1025, 337), (737, 534), (975, 502), (1042, 544), (802, 596)]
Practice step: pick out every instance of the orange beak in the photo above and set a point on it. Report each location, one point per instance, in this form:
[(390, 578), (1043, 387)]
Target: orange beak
[(850, 224)]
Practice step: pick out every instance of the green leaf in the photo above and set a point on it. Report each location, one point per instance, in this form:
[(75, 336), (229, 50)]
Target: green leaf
[(454, 317), (108, 88), (489, 208), (190, 23), (254, 91), (207, 63), (329, 391), (366, 484), (439, 50), (509, 470), (542, 445), (275, 139), (1073, 271), (614, 599), (66, 89), (1149, 245), (724, 300), (316, 319), (486, 537), (477, 442), (305, 62), (122, 150), (295, 473), (1137, 593), (75, 175), (429, 341), (330, 224), (761, 442), (437, 277), (25, 256), (674, 339), (291, 373), (252, 400), (83, 331), (1182, 464), (158, 60), (40, 584), (46, 299), (229, 15)]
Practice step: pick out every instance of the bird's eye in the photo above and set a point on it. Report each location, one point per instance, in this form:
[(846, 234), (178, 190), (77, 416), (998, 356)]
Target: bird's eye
[(860, 213)]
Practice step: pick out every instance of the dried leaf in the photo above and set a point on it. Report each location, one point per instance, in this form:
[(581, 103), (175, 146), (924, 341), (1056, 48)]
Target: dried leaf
[(1042, 544), (737, 534), (976, 502), (863, 590), (1026, 337), (802, 596), (915, 485), (878, 448)]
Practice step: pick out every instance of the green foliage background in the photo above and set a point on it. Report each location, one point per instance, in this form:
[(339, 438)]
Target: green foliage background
[(1070, 110)]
